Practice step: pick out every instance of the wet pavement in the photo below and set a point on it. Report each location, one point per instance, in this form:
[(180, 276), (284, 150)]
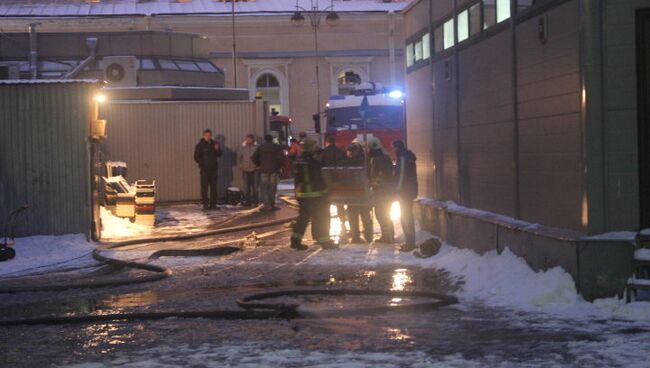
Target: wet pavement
[(470, 334)]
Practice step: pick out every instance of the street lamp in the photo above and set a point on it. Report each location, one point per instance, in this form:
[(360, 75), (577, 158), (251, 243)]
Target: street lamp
[(315, 13)]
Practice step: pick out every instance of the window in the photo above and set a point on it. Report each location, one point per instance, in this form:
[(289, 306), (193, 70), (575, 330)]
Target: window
[(187, 66), (207, 67), (409, 54), (378, 117), (475, 19), (438, 39), (269, 87), (489, 13), (426, 46), (147, 64), (503, 10), (267, 80), (418, 50), (463, 25), (347, 82), (448, 34), (167, 64)]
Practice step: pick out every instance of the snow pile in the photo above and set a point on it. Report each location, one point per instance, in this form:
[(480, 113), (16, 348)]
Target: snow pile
[(37, 254), (506, 280), (500, 280)]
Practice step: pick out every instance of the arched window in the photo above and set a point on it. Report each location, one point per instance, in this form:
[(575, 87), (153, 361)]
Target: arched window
[(268, 86), (347, 81)]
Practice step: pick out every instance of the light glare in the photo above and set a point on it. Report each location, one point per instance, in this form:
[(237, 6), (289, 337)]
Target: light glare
[(396, 94)]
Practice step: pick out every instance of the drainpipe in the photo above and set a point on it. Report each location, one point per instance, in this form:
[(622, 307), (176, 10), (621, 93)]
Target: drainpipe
[(33, 53), (91, 42), (391, 46)]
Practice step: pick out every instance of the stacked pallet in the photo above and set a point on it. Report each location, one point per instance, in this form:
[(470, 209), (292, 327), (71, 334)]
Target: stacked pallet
[(121, 195), (145, 202)]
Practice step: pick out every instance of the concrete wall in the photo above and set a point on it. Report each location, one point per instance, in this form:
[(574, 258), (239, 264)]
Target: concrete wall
[(599, 266)]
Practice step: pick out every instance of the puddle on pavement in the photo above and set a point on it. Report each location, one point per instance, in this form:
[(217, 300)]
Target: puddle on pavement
[(394, 279)]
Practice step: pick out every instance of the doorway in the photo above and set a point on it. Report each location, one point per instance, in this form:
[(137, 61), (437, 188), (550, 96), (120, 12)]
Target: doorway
[(643, 90)]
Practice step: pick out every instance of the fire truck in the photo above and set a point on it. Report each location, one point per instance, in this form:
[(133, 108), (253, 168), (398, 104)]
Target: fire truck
[(370, 111)]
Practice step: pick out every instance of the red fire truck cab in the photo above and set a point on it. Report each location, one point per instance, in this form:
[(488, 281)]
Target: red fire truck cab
[(381, 116)]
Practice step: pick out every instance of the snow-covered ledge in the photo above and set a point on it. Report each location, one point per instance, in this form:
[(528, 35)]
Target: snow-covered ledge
[(600, 265)]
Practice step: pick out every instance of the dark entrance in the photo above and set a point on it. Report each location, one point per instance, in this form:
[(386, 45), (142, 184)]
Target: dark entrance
[(643, 70)]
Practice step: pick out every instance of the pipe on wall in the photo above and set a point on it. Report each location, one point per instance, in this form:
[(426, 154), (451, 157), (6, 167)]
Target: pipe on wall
[(91, 42), (33, 51)]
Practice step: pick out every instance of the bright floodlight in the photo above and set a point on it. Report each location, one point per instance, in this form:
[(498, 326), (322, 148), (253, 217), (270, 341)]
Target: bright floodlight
[(100, 98), (396, 94), (395, 211)]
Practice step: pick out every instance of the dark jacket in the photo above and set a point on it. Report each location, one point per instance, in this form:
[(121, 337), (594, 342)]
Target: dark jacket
[(268, 157), (206, 155), (358, 159), (333, 156), (308, 179), (381, 171), (406, 176)]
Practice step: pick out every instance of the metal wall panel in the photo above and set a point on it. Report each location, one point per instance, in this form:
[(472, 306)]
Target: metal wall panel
[(157, 140), (44, 157)]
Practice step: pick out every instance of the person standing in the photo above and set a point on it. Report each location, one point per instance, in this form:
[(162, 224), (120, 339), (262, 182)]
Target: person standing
[(294, 149), (313, 200), (268, 157), (206, 154), (381, 184), (333, 156), (249, 171), (406, 178), (357, 158)]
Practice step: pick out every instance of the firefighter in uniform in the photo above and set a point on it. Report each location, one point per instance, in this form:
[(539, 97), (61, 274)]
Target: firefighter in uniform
[(381, 183), (313, 200)]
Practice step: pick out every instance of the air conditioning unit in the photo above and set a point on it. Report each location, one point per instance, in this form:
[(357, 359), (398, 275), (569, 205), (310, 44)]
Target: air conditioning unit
[(120, 71), (9, 71)]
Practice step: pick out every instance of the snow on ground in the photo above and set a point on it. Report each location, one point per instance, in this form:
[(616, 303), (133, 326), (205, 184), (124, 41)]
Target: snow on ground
[(623, 351), (118, 227), (255, 355), (170, 220), (38, 254)]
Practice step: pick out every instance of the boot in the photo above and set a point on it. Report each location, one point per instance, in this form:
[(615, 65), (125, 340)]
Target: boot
[(298, 245), (406, 247)]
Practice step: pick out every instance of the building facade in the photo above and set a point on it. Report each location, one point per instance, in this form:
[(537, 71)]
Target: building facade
[(531, 117), (274, 58), (529, 108)]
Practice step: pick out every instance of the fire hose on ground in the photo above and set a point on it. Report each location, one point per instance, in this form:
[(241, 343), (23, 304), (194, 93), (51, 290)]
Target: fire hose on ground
[(158, 272), (252, 309)]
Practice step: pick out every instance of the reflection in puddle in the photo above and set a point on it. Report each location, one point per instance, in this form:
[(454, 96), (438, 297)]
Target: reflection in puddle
[(105, 334), (398, 334), (401, 279)]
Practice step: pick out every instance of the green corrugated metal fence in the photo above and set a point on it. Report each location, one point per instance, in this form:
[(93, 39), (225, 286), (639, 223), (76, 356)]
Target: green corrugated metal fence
[(44, 155)]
